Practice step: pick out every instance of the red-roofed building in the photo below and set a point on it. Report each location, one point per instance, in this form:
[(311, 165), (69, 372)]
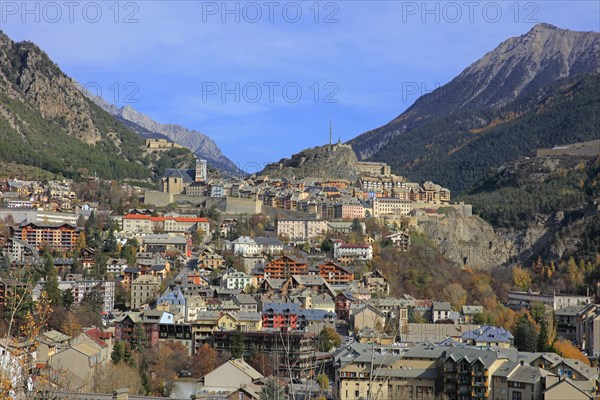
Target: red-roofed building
[(103, 341)]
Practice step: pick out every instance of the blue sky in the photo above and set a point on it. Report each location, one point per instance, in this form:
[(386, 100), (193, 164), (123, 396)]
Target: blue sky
[(234, 70)]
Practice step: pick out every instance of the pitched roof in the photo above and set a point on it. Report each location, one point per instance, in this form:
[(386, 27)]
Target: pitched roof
[(570, 310), (246, 368), (525, 373), (354, 246), (487, 357), (441, 306), (567, 385), (134, 316), (267, 241), (490, 334), (309, 279), (86, 349), (55, 336), (281, 308), (274, 283), (208, 315), (188, 175), (244, 299), (553, 358), (315, 315), (247, 316), (582, 368), (97, 336)]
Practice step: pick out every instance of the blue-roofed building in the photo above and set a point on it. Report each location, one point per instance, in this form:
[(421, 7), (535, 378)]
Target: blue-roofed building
[(174, 301), (315, 320), (488, 336)]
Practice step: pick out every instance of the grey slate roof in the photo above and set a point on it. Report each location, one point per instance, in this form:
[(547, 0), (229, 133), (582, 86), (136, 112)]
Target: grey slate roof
[(188, 175), (525, 374), (489, 334), (247, 316), (244, 299), (441, 306), (570, 311), (281, 308), (315, 315)]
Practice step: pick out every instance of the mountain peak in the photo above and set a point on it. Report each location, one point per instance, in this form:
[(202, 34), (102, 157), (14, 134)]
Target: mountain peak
[(519, 68), (544, 26)]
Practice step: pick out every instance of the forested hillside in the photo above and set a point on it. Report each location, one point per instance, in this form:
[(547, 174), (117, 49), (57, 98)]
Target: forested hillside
[(536, 90), (46, 122), (548, 206), (458, 150)]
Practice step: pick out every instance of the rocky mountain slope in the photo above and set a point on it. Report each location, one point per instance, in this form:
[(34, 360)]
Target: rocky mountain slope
[(201, 145), (45, 121), (459, 149), (468, 240), (545, 206), (337, 161), (505, 86)]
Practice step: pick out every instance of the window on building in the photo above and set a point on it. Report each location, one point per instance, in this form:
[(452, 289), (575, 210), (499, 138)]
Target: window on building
[(516, 396)]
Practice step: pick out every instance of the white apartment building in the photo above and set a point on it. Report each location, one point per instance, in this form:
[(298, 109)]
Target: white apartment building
[(139, 223), (116, 265), (245, 245), (391, 206), (236, 280), (356, 251), (80, 287), (301, 230), (556, 301)]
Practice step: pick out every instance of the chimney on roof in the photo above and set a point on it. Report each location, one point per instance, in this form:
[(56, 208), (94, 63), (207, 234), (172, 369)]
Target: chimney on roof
[(121, 394)]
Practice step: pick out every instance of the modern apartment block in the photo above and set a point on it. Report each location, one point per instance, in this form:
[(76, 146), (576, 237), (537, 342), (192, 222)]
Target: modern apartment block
[(427, 371), (61, 237), (391, 206), (301, 230)]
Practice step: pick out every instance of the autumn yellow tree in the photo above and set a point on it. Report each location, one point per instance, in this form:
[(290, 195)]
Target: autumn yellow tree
[(14, 362), (81, 242), (521, 278), (567, 350), (574, 274)]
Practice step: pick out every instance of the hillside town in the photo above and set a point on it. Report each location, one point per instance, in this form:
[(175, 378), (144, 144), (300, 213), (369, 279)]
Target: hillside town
[(263, 288), (377, 193)]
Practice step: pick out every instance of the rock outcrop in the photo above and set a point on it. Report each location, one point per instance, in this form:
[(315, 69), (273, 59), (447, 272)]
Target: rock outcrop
[(337, 161), (467, 240)]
